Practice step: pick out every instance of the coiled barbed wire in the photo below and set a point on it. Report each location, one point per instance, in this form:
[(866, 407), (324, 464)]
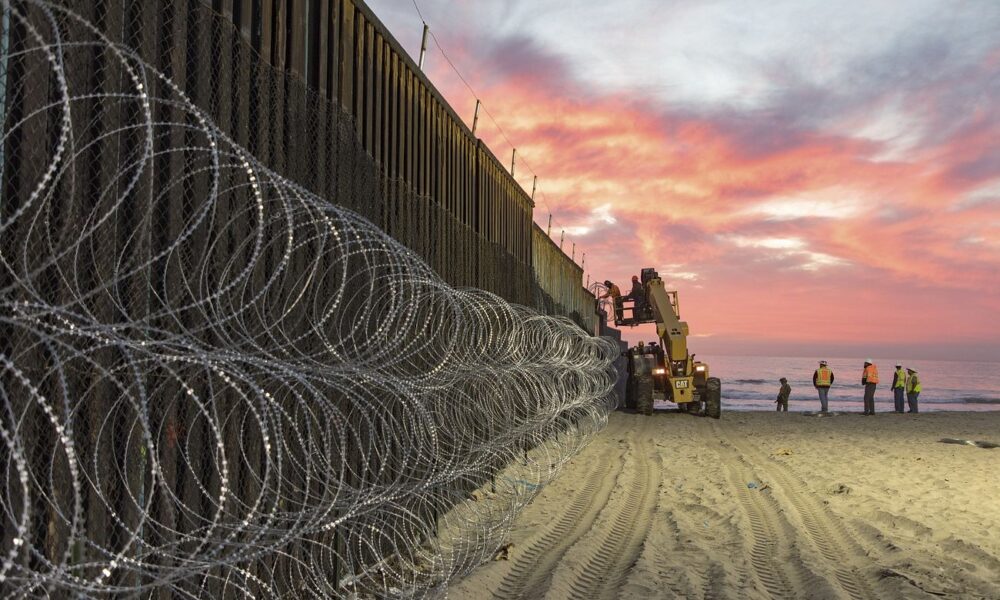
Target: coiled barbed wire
[(217, 384)]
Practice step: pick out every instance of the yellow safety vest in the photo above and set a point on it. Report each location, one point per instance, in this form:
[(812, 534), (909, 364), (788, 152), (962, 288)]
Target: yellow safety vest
[(913, 384), (900, 378), (823, 377)]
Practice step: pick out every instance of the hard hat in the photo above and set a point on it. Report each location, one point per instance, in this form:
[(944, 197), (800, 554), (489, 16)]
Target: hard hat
[(911, 369), (783, 379), (607, 283), (822, 363), (899, 363), (869, 361), (635, 278)]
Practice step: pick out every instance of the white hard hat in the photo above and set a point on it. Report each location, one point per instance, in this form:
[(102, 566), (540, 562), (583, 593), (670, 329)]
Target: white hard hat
[(868, 360), (899, 363)]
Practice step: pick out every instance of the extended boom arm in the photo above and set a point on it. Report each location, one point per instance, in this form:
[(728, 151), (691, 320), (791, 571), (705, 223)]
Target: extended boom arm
[(673, 334)]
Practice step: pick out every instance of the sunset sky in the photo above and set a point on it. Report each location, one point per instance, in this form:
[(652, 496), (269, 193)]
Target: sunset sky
[(816, 178)]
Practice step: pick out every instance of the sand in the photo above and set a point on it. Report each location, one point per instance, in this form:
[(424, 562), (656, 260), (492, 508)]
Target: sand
[(763, 505)]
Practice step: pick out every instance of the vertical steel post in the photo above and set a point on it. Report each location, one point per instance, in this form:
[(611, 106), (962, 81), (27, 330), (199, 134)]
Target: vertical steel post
[(534, 187), (423, 48), (548, 231), (562, 235), (513, 159), (475, 118), (573, 256), (5, 54)]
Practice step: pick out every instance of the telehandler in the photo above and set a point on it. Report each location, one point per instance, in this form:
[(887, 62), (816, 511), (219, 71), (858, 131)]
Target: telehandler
[(667, 367)]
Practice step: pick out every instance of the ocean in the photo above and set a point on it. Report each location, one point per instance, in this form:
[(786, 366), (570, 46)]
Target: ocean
[(751, 383)]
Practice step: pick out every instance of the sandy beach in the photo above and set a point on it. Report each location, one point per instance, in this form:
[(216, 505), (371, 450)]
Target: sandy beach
[(763, 505)]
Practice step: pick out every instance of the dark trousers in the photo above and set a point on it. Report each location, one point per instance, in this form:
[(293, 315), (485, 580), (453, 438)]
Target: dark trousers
[(911, 399), (899, 398), (870, 398), (783, 406)]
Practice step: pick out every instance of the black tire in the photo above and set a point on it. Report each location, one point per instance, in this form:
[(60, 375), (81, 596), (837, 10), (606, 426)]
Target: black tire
[(713, 397), (630, 395), (644, 395)]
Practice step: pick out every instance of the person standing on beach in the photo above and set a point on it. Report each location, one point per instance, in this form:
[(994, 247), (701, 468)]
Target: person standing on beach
[(822, 380), (898, 385), (783, 394), (912, 389), (869, 379)]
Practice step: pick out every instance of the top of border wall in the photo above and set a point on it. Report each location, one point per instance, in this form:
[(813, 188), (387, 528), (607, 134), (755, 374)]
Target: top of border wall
[(408, 60), (556, 247)]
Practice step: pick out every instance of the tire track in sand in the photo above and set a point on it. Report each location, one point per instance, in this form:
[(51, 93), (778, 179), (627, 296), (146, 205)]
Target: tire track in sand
[(828, 534), (534, 565), (770, 539), (605, 570)]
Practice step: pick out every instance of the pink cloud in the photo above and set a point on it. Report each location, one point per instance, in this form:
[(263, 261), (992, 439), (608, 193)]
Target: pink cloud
[(779, 231)]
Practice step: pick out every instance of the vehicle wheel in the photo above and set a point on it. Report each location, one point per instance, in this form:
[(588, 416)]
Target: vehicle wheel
[(713, 397), (630, 393), (644, 395)]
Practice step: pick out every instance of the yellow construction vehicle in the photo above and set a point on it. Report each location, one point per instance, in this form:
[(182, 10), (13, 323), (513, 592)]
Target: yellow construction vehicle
[(669, 367)]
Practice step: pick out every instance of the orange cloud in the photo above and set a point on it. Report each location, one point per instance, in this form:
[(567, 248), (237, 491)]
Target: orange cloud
[(772, 231)]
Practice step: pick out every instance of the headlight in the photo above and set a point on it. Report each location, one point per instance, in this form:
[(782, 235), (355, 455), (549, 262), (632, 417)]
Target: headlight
[(659, 371), (700, 368)]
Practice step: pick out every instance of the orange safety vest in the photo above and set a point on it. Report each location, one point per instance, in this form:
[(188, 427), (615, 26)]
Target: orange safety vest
[(871, 374), (823, 377)]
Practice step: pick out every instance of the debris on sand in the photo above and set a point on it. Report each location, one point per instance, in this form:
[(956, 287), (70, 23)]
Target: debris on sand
[(503, 552), (978, 444)]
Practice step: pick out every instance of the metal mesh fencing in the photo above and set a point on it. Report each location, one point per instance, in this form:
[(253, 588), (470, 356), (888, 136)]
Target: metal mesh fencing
[(221, 381)]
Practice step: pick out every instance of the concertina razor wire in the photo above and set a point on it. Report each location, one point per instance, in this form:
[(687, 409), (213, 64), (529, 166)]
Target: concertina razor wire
[(217, 384)]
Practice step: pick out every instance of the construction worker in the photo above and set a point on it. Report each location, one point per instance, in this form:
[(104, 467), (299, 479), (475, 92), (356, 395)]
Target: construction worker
[(636, 294), (869, 379), (638, 297), (783, 394), (822, 380), (912, 389), (898, 385), (616, 297)]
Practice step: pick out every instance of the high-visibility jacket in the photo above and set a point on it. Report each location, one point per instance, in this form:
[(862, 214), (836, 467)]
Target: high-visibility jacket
[(870, 374), (900, 379), (913, 384), (614, 292), (824, 377)]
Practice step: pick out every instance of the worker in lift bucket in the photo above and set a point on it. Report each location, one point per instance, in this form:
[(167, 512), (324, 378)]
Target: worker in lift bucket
[(616, 296), (638, 296)]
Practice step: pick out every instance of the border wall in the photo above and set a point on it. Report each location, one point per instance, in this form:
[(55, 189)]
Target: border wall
[(343, 54), (558, 283), (318, 92)]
